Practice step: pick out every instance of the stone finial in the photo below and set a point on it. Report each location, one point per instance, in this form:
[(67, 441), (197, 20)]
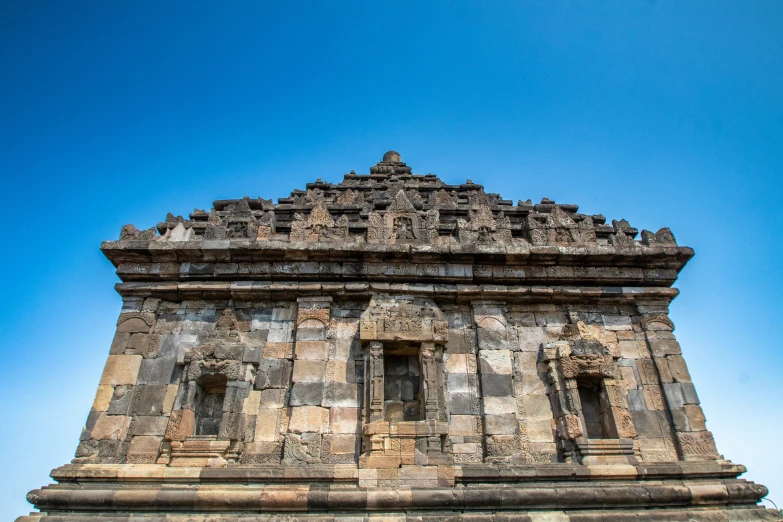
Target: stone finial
[(392, 157)]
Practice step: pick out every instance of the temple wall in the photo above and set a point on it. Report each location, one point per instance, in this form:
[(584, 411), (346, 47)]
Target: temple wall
[(295, 384)]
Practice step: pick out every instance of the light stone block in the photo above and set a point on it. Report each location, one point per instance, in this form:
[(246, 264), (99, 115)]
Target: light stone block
[(499, 405), (112, 427), (267, 423), (309, 371), (345, 420), (457, 363), (540, 430), (121, 369), (307, 419), (495, 361), (537, 406), (500, 424), (464, 425), (312, 350), (531, 338), (102, 398), (617, 322), (252, 402), (171, 396)]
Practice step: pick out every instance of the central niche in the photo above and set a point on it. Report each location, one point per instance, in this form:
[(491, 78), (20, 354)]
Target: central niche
[(402, 385)]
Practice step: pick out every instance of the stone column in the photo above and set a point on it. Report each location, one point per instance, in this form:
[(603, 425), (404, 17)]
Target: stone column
[(375, 380)]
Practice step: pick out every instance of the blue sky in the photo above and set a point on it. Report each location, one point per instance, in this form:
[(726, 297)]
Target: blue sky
[(665, 113)]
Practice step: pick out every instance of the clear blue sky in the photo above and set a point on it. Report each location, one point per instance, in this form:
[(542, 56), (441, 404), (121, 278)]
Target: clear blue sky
[(666, 113)]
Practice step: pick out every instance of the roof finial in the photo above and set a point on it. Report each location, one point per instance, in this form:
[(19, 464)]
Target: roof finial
[(392, 157)]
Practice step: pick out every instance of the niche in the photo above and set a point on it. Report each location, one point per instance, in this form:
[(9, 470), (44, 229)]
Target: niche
[(402, 386), (210, 395), (594, 410)]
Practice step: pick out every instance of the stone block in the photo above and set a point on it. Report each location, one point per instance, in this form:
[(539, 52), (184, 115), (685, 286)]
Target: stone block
[(663, 347), (307, 393), (342, 444), (530, 339), (499, 405), (273, 373), (144, 449), (119, 343), (156, 371), (341, 371), (689, 393), (537, 406), (628, 349), (663, 369), (267, 426), (278, 350), (457, 363), (121, 369), (345, 420), (492, 339), (540, 430), (462, 425), (120, 401), (617, 322), (550, 318), (307, 419), (695, 417), (112, 427), (252, 402), (147, 399), (457, 383), (674, 395), (342, 395), (170, 398), (495, 361), (309, 334), (309, 371), (148, 425), (636, 400), (678, 369), (648, 423), (460, 403), (102, 398), (272, 398), (312, 350), (496, 385), (500, 424), (629, 377)]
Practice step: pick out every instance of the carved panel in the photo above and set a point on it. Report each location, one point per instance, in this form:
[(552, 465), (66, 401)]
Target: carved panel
[(393, 319)]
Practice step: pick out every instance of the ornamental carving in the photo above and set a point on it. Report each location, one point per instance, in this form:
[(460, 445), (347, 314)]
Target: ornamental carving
[(483, 227), (402, 224), (391, 319), (559, 228), (319, 225), (313, 308)]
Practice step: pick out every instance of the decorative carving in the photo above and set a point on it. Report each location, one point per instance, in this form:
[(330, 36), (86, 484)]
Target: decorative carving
[(483, 227), (348, 197), (698, 444), (410, 319), (441, 198), (401, 223), (319, 225), (558, 227), (131, 233), (318, 310), (267, 224), (654, 322), (664, 236), (147, 317)]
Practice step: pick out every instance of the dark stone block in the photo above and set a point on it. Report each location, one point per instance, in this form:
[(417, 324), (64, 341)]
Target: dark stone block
[(273, 373), (120, 400), (460, 403), (307, 394), (147, 399), (496, 385), (156, 371)]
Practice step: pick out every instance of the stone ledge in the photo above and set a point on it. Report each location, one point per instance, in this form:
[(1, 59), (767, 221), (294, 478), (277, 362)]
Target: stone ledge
[(246, 290), (106, 498)]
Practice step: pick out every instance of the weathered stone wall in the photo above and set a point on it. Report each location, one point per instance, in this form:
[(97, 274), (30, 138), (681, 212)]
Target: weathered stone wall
[(304, 400)]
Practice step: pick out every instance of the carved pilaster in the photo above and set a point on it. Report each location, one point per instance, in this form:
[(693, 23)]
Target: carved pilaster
[(375, 365)]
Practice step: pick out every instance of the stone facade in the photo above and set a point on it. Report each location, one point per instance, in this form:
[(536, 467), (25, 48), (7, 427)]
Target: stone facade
[(394, 346)]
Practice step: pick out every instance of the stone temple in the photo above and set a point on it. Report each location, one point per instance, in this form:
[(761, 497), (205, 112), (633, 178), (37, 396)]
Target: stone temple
[(396, 348)]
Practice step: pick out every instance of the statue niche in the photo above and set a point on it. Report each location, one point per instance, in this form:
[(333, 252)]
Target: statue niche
[(217, 376), (404, 341), (591, 411)]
